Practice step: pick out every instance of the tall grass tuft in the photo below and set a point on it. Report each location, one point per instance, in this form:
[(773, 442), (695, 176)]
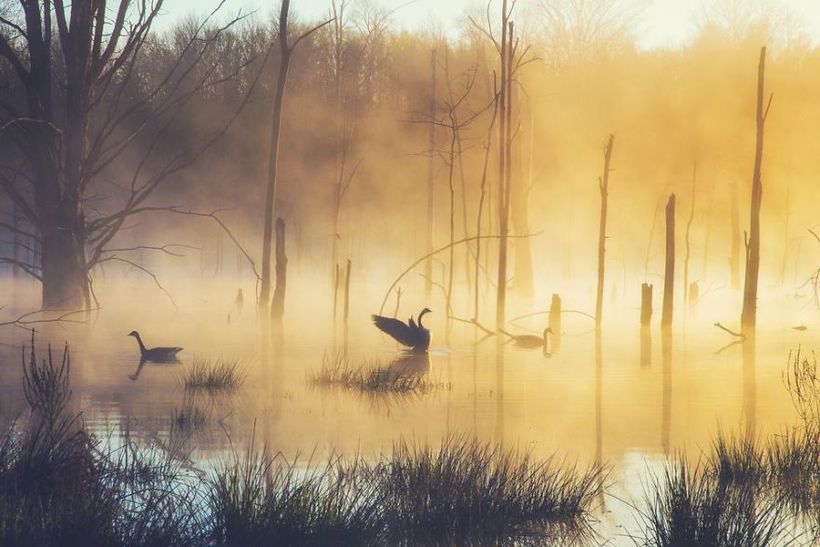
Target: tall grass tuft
[(266, 499), (206, 375), (748, 492), (468, 491), (701, 506)]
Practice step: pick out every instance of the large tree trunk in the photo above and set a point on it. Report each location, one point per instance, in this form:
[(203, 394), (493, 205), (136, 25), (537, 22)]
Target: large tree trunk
[(734, 259), (65, 280), (748, 317)]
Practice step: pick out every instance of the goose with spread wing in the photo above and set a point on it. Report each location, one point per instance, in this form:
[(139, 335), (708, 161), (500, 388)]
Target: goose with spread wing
[(412, 334)]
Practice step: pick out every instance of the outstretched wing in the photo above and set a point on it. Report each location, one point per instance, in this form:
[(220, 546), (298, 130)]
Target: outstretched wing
[(395, 328)]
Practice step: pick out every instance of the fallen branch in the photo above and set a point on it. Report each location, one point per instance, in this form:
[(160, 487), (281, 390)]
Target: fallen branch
[(439, 250), (526, 315), (730, 331), (475, 323), (23, 321)]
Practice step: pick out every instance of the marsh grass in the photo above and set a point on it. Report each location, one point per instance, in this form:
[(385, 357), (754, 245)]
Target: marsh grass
[(369, 377), (697, 505), (464, 492), (61, 486), (213, 376), (470, 492), (747, 491)]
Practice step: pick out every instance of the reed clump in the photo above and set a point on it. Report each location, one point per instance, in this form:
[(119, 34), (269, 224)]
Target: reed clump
[(213, 376), (61, 486), (369, 377)]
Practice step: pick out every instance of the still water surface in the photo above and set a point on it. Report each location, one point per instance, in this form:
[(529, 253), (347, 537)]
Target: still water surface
[(629, 400)]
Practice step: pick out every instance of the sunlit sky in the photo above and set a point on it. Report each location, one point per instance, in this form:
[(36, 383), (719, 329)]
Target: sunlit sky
[(664, 23)]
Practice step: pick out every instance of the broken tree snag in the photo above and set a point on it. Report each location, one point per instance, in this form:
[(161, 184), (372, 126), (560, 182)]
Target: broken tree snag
[(748, 316), (694, 293), (734, 259), (669, 273), (555, 321), (603, 186), (646, 304), (278, 303)]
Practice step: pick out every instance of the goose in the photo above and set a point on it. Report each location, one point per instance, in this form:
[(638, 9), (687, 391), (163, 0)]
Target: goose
[(411, 334), (155, 354), (531, 340)]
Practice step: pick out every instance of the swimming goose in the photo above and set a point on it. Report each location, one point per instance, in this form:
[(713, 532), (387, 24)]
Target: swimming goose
[(531, 340), (155, 354)]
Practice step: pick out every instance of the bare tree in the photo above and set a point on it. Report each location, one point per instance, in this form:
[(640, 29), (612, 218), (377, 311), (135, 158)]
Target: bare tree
[(748, 316), (603, 187), (581, 30), (75, 65)]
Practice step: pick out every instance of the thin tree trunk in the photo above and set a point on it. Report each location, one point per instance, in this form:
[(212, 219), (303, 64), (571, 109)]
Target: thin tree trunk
[(450, 186), (520, 219), (782, 278), (431, 145), (748, 316), (503, 181), (669, 271), (734, 259), (278, 304), (347, 305), (487, 147), (603, 187), (687, 243)]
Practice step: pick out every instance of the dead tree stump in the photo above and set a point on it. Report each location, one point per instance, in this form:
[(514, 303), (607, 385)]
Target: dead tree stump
[(555, 321), (278, 302), (646, 304)]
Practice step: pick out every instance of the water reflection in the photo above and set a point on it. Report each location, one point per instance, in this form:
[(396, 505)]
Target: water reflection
[(646, 347), (599, 442), (411, 364), (666, 404), (142, 362), (749, 387)]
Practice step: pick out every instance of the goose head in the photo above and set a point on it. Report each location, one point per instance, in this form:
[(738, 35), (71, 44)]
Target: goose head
[(421, 315), (134, 333)]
